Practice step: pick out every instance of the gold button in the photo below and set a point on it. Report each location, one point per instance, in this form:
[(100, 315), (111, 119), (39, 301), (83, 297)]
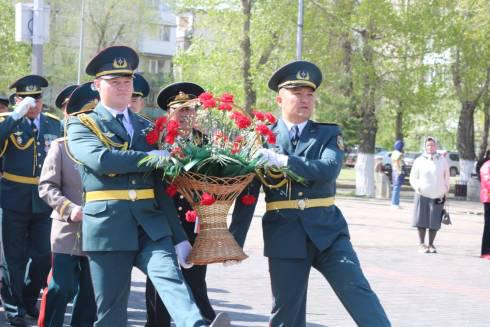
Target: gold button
[(133, 182), (180, 208), (39, 154), (40, 166), (38, 143), (181, 196), (300, 193)]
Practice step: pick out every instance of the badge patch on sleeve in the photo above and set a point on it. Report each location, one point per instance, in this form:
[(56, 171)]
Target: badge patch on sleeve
[(340, 142)]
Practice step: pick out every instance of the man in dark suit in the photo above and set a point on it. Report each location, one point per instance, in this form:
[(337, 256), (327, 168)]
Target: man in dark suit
[(25, 137), (302, 227), (171, 99), (128, 220)]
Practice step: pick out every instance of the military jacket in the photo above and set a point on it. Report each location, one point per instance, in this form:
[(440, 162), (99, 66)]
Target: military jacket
[(23, 155), (60, 186), (112, 225), (318, 159)]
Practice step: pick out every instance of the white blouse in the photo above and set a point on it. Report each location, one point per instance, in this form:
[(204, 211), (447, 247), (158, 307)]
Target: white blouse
[(430, 176)]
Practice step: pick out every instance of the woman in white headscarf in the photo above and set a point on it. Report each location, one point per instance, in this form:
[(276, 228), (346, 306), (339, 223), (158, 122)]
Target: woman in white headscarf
[(429, 178)]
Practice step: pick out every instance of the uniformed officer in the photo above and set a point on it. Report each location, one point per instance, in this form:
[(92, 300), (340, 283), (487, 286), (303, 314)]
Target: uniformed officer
[(127, 218), (61, 187), (302, 227), (25, 137), (171, 98), (141, 89), (61, 101)]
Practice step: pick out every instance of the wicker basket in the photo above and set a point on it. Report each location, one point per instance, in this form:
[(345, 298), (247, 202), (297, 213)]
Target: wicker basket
[(214, 243)]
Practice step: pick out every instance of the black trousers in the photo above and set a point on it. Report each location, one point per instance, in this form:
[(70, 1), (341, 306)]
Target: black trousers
[(485, 243), (195, 277)]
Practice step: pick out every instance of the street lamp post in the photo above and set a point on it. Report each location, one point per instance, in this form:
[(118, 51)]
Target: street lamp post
[(37, 37), (299, 35), (80, 50)]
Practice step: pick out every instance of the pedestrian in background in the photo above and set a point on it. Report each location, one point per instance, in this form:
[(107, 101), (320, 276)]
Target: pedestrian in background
[(484, 172), (397, 173), (429, 178)]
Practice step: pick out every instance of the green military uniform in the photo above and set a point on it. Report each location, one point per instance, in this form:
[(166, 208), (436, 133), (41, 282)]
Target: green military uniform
[(302, 227), (26, 220), (128, 219)]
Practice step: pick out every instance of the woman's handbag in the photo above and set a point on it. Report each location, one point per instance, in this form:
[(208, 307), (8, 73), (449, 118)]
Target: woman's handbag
[(446, 219)]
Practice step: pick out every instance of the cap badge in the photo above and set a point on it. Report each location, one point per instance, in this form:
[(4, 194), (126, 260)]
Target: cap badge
[(120, 63), (304, 75), (30, 88)]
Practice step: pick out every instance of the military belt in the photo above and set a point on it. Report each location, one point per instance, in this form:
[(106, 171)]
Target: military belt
[(21, 179), (300, 204), (132, 195)]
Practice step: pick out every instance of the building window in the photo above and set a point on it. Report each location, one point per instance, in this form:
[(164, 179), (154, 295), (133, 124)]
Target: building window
[(153, 66), (164, 34)]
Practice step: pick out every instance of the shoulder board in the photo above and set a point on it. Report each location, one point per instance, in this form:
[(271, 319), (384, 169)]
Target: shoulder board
[(148, 119), (51, 116), (327, 124)]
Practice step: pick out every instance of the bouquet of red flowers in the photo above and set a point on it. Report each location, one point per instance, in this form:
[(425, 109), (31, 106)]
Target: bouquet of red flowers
[(221, 141)]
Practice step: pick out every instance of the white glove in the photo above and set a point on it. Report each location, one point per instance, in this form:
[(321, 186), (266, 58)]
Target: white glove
[(160, 153), (229, 263), (272, 158), (23, 107), (182, 250)]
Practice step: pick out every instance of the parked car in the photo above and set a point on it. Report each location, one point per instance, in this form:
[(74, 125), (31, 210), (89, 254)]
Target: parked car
[(351, 157), (453, 160), (408, 159)]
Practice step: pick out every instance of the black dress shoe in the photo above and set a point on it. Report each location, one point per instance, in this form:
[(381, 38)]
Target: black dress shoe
[(16, 321), (33, 312)]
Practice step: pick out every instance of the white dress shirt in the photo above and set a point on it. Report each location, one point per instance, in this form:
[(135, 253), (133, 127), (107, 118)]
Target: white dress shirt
[(126, 121)]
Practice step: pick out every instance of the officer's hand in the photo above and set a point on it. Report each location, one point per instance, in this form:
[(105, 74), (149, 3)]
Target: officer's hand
[(76, 214), (23, 107), (182, 250), (271, 158), (160, 153)]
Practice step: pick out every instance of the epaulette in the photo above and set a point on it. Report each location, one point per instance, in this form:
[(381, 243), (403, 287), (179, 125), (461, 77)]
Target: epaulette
[(327, 124), (51, 116), (148, 119), (3, 115)]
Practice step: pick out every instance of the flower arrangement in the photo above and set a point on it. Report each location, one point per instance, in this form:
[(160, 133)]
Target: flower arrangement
[(222, 139)]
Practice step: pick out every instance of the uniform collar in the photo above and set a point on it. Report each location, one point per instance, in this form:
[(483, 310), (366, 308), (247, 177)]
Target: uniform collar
[(301, 126), (115, 112)]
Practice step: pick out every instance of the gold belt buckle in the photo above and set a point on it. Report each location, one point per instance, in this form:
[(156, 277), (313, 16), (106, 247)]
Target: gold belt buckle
[(302, 204), (133, 196)]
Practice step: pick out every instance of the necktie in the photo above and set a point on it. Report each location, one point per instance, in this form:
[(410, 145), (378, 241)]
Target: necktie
[(120, 118), (33, 127), (295, 136)]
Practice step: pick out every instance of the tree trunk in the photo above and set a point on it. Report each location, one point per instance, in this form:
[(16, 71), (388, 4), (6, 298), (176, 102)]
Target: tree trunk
[(250, 94), (486, 126), (399, 122), (466, 139), (367, 133)]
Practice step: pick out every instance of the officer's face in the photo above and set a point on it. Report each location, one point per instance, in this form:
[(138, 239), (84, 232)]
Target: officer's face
[(116, 92), (185, 117), (137, 104), (296, 103), (33, 111)]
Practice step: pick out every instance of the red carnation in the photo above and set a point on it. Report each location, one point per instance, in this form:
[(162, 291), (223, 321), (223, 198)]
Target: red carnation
[(152, 137), (205, 96), (236, 148), (177, 153), (263, 130), (259, 115), (160, 123), (270, 117), (171, 190), (248, 199), (209, 103), (207, 199), (226, 97), (271, 138), (225, 106), (190, 216)]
